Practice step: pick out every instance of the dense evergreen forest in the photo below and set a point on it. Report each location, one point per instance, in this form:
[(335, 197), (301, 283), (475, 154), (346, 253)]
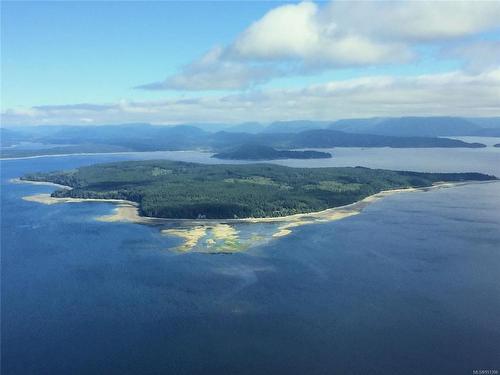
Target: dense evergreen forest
[(259, 152), (188, 190)]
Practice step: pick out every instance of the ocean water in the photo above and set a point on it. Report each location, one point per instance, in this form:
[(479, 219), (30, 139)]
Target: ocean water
[(410, 286)]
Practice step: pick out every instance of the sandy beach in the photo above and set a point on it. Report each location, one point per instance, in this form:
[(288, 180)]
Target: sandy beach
[(45, 198), (125, 211), (90, 154), (129, 211), (62, 155), (219, 235), (19, 181)]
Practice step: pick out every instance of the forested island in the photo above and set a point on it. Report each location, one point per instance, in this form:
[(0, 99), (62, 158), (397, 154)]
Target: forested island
[(171, 189), (260, 152), (496, 145)]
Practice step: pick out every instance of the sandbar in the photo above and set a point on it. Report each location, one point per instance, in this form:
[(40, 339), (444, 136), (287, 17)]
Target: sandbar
[(190, 236), (221, 234), (19, 181)]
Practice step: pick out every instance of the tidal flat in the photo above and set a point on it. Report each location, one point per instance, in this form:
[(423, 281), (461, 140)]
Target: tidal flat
[(225, 235)]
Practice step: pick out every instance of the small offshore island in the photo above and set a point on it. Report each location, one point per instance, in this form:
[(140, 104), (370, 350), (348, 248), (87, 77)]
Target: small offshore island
[(260, 152), (180, 190)]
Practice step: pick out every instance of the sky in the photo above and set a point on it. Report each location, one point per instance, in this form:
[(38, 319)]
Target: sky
[(161, 62)]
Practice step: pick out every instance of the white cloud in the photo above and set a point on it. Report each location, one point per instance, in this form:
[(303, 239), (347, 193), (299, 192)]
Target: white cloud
[(212, 72), (453, 93), (347, 33), (286, 31), (303, 32), (293, 38), (476, 56), (414, 20)]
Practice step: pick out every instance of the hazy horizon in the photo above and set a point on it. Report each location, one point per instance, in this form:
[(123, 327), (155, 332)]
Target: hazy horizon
[(206, 125), (225, 62)]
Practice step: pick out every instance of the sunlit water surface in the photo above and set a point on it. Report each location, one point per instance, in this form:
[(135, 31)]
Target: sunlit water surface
[(410, 286)]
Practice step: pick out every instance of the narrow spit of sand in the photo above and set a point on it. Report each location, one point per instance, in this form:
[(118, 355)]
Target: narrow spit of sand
[(125, 211), (192, 231), (19, 181), (129, 211)]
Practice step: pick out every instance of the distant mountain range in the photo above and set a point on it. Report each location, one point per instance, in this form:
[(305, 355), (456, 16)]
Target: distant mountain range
[(295, 126), (393, 126), (375, 132), (420, 126)]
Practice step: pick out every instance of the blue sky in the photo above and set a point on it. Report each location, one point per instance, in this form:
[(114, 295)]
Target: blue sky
[(67, 52), (170, 62)]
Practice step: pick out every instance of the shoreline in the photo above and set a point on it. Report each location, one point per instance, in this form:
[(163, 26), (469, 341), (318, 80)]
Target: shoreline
[(125, 208), (222, 235), (213, 153), (94, 153), (124, 211), (17, 180), (58, 155)]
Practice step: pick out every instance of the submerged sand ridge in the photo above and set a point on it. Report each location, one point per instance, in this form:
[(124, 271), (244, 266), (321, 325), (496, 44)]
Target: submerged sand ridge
[(221, 235), (209, 238)]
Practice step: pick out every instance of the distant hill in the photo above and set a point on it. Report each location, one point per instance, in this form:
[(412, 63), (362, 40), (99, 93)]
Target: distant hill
[(486, 122), (145, 137), (357, 125), (139, 137), (326, 138), (410, 126), (246, 127), (426, 126), (9, 137), (331, 138), (294, 126), (260, 152), (488, 132)]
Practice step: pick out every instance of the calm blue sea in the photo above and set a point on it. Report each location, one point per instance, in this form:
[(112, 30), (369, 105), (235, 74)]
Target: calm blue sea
[(410, 286)]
